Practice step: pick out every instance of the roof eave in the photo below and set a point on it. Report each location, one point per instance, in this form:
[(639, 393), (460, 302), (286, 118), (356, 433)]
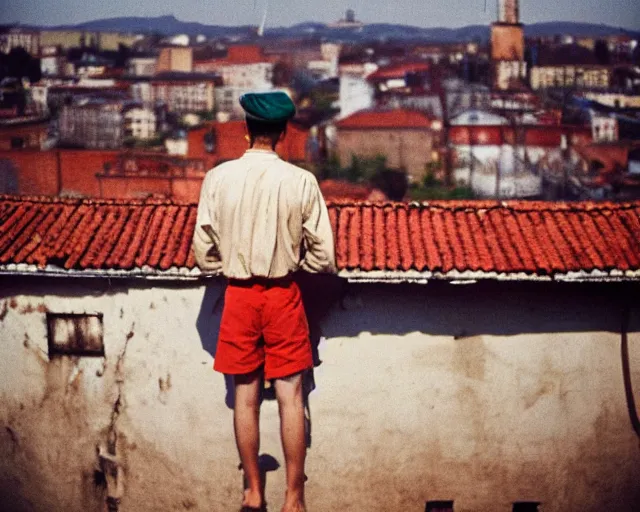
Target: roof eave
[(354, 276)]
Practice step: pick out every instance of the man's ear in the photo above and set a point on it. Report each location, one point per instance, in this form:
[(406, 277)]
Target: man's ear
[(283, 134)]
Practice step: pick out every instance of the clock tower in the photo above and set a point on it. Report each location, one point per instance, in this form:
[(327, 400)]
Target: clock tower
[(507, 47)]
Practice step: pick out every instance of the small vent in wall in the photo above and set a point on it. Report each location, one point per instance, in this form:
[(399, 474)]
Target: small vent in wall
[(526, 506), (75, 334), (439, 506)]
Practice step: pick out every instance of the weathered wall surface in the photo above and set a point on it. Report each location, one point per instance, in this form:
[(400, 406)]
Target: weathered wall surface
[(484, 395), (408, 149)]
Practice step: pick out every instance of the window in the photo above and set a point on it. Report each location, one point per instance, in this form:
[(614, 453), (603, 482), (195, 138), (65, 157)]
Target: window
[(439, 506), (17, 143), (75, 334)]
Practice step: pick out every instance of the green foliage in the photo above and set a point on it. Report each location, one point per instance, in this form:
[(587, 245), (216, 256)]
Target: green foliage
[(438, 192), (365, 169), (330, 168)]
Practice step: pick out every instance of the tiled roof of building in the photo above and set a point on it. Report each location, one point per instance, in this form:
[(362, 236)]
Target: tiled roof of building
[(395, 119), (451, 240), (343, 190), (398, 70)]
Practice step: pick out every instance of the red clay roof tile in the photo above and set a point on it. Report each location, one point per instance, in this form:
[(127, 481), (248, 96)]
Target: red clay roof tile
[(404, 240), (437, 237), (391, 233), (379, 238), (439, 230), (366, 239), (416, 241), (388, 119), (433, 254)]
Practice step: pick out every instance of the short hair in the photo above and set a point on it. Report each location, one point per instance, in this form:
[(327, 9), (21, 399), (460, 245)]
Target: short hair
[(258, 128)]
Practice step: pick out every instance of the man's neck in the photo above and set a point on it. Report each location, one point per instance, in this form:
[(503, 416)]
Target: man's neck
[(262, 146)]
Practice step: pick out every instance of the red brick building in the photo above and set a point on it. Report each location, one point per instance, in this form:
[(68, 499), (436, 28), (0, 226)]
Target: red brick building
[(408, 139)]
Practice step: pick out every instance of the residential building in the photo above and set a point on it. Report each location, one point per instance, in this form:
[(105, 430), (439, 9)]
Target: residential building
[(406, 77), (66, 39), (460, 96), (91, 66), (500, 158), (355, 91), (516, 322), (93, 124), (182, 92), (112, 41), (175, 59), (52, 61), (409, 140), (24, 133), (142, 66), (64, 92), (569, 67), (39, 97), (614, 99), (18, 37), (143, 92), (406, 85), (244, 67), (108, 41), (604, 128), (140, 123)]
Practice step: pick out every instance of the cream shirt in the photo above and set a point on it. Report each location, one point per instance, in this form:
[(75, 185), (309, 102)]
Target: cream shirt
[(261, 216)]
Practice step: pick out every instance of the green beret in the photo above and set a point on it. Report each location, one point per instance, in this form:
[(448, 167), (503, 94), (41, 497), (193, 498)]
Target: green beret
[(268, 106)]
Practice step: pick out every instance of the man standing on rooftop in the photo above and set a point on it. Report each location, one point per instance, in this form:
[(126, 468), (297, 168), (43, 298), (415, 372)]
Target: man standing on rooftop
[(260, 219)]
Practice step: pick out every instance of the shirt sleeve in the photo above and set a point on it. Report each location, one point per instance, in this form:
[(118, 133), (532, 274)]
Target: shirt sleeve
[(319, 251), (205, 240)]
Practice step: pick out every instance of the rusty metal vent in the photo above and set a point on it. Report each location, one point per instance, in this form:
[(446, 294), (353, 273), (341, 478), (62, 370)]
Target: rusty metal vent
[(78, 334)]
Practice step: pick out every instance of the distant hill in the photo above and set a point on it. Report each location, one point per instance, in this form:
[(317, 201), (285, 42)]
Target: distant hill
[(169, 25)]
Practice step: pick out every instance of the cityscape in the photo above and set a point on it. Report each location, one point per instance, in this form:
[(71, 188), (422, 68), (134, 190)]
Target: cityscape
[(97, 113)]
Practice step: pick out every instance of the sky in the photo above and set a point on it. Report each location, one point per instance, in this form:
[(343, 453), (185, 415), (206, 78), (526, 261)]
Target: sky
[(421, 13)]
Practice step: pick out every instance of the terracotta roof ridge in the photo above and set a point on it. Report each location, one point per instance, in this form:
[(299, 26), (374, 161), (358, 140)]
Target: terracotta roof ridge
[(451, 205), (483, 204), (100, 201)]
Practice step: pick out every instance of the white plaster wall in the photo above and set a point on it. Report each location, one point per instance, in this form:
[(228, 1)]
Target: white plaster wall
[(355, 94), (480, 395)]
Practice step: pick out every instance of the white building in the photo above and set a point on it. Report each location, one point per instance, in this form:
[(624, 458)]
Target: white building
[(17, 37), (140, 123), (142, 66), (355, 91), (518, 387)]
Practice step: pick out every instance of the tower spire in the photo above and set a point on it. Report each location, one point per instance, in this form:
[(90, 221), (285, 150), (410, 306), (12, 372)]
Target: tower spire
[(508, 12)]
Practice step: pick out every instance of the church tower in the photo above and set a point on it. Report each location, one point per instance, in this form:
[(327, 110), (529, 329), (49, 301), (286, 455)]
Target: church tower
[(507, 47), (508, 12)]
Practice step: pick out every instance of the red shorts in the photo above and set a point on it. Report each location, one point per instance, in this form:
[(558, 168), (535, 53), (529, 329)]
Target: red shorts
[(263, 322)]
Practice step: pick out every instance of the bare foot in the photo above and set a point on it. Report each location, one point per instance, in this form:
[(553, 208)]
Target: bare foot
[(293, 505), (298, 507), (252, 499)]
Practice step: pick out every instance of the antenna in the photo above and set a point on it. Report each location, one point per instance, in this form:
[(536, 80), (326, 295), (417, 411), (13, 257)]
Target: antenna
[(264, 20)]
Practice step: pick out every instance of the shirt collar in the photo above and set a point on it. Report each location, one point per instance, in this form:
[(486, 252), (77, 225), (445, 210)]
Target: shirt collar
[(260, 153)]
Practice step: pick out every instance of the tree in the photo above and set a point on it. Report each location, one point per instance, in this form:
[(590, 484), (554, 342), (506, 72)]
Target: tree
[(601, 51), (18, 63)]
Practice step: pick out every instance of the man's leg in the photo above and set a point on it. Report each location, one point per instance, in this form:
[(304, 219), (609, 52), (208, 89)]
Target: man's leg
[(291, 407), (246, 422)]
